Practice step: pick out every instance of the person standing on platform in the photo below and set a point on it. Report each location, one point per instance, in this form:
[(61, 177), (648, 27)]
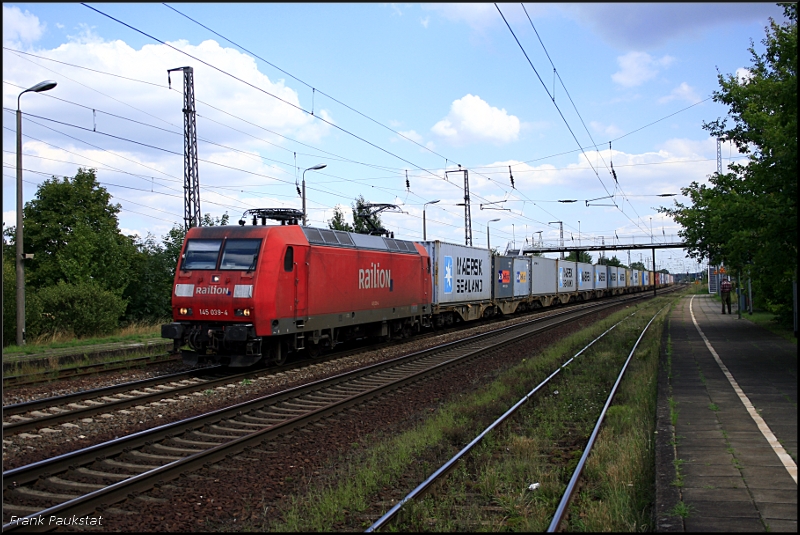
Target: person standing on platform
[(725, 292)]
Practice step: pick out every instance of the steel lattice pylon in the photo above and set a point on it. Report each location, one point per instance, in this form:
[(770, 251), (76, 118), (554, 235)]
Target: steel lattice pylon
[(467, 212), (191, 175)]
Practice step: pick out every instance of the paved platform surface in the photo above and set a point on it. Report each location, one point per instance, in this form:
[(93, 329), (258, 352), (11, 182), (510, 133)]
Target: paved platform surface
[(715, 465)]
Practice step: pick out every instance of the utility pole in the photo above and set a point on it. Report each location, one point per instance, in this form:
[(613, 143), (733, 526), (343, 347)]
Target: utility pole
[(191, 178), (561, 234), (467, 214)]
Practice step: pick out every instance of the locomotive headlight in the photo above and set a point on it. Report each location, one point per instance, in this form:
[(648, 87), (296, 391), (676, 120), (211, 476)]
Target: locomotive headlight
[(185, 311), (241, 312)]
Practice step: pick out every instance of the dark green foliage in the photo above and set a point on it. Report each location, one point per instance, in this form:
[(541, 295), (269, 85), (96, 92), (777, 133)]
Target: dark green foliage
[(9, 300), (71, 228), (337, 222), (638, 265), (613, 261), (584, 257), (747, 218), (362, 219), (153, 271), (84, 308)]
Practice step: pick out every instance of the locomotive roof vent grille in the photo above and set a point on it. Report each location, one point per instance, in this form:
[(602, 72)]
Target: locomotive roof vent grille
[(362, 241)]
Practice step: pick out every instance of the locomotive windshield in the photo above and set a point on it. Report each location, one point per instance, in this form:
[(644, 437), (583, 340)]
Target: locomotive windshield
[(201, 254), (240, 254)]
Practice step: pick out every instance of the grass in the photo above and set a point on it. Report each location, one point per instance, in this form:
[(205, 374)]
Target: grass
[(489, 489), (134, 332), (769, 322)]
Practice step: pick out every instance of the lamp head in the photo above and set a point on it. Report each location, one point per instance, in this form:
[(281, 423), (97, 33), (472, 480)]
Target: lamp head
[(317, 167), (47, 85)]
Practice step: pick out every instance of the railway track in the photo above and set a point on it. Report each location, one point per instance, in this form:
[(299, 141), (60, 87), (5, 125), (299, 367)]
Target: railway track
[(441, 473), (21, 417), (74, 362), (80, 482)]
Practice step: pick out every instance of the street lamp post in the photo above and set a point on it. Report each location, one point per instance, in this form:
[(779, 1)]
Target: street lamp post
[(488, 242), (38, 88), (315, 168), (424, 233)]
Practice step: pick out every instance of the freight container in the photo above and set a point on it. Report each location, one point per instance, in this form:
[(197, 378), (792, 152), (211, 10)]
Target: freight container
[(545, 275), (600, 277), (502, 285), (612, 276), (623, 277), (585, 277), (522, 276), (460, 273), (567, 275), (635, 278)]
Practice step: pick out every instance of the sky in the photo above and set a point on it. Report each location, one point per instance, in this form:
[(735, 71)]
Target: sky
[(392, 98)]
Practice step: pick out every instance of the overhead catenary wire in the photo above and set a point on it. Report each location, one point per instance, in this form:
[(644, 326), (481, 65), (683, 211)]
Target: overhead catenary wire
[(560, 113), (239, 118), (299, 108)]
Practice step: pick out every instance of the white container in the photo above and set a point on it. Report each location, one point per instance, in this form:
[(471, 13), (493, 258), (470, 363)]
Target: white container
[(585, 277), (600, 277), (522, 276), (636, 279), (545, 275), (567, 277), (623, 277), (611, 274), (460, 274)]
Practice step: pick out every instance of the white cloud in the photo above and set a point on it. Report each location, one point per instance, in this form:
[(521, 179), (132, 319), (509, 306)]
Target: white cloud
[(743, 75), (471, 119), (425, 21), (475, 15), (682, 92), (20, 28), (638, 67)]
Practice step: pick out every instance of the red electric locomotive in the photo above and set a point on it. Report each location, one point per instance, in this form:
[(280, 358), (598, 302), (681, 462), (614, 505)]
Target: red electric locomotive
[(251, 293)]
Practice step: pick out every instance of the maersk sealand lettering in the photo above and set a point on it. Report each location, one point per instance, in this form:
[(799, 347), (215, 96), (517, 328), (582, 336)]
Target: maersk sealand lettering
[(469, 266), (375, 277)]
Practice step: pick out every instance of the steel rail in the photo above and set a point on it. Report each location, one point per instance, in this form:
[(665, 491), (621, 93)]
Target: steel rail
[(38, 421), (338, 386), (450, 464), (84, 369), (565, 499)]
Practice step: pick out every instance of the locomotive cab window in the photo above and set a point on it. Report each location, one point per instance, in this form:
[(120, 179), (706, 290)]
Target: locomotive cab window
[(201, 254), (240, 254), (288, 259)]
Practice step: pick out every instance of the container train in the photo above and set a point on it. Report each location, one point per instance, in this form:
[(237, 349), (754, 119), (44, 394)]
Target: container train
[(249, 294)]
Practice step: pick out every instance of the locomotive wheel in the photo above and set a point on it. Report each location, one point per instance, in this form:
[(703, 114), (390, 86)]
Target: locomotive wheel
[(314, 350), (277, 355)]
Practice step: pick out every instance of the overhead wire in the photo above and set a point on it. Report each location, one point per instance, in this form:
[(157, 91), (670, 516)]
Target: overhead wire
[(552, 98)]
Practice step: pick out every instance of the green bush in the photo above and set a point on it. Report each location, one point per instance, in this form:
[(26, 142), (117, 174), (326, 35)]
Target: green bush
[(85, 309), (9, 302)]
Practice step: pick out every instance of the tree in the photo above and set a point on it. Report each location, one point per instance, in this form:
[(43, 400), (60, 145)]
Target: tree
[(747, 217), (584, 257), (613, 261), (71, 227), (638, 265), (363, 220), (337, 222), (153, 272)]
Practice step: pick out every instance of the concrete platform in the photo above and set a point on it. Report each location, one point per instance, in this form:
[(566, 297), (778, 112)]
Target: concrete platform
[(716, 469)]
